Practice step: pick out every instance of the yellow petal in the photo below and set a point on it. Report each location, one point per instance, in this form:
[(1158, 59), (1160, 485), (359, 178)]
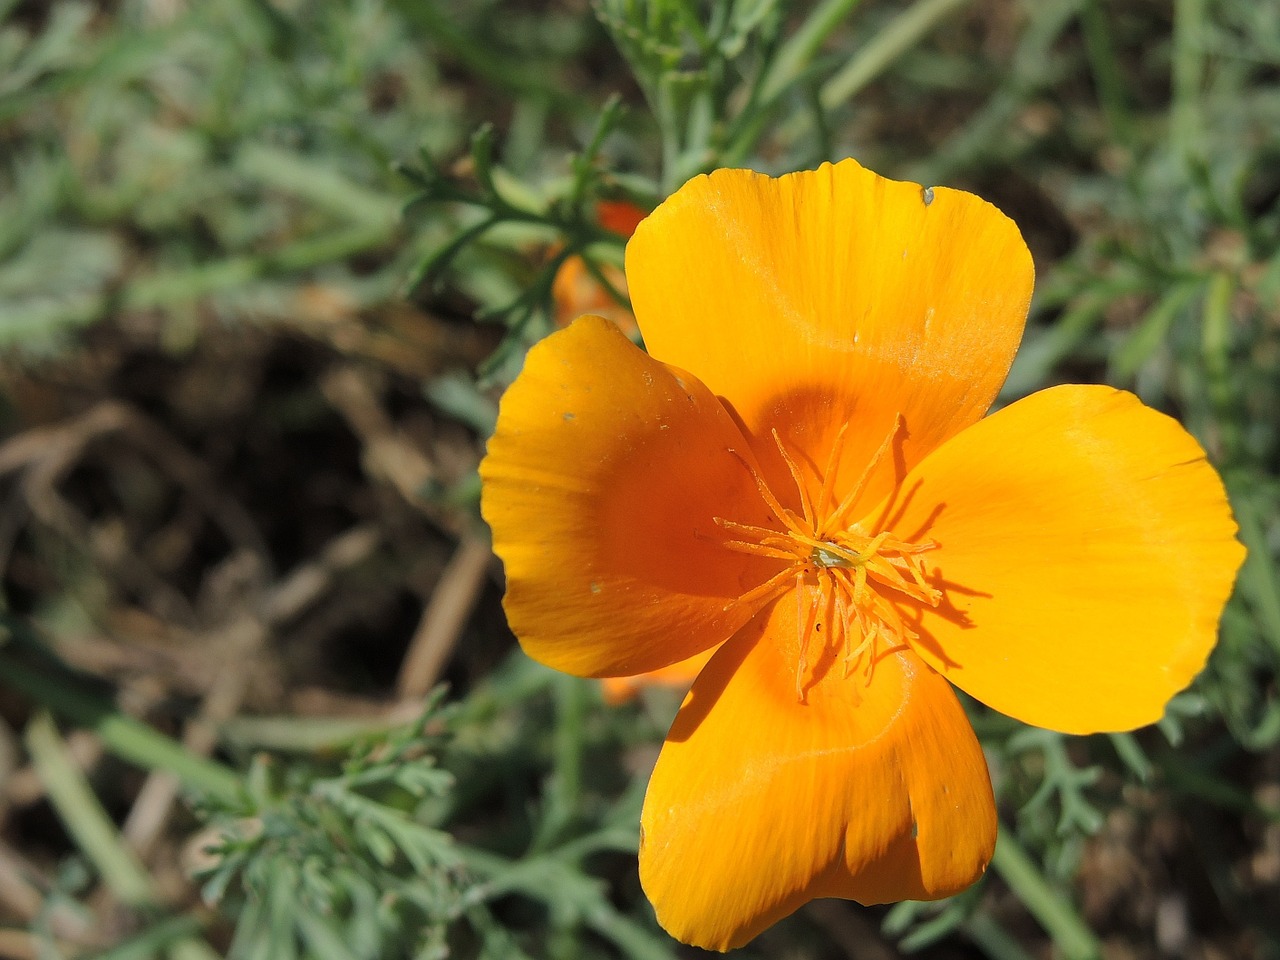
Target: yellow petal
[(830, 296), (601, 484), (760, 803), (1085, 549)]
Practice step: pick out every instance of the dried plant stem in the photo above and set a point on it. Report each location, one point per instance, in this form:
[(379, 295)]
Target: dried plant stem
[(445, 617)]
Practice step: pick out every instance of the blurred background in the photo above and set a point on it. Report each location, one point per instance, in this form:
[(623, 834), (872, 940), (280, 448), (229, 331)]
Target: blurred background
[(265, 268)]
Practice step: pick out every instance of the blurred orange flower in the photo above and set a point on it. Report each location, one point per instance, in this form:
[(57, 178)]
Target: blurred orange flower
[(576, 291), (802, 472), (618, 690)]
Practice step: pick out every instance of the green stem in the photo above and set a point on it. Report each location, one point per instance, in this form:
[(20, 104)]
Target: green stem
[(98, 839), (167, 934), (171, 287), (1188, 29), (984, 139), (1192, 779), (82, 814), (564, 794), (123, 735), (442, 29), (1107, 78), (993, 939), (571, 708), (785, 70), (1055, 914), (666, 113), (1259, 577), (898, 36), (1153, 332), (555, 878), (795, 55), (1215, 350)]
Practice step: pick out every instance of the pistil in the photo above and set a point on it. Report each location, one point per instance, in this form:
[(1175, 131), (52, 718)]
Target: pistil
[(854, 574)]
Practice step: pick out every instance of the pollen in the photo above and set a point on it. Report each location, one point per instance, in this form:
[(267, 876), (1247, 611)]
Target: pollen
[(843, 572)]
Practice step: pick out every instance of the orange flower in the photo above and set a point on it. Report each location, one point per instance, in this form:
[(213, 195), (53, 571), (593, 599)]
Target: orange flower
[(576, 291), (619, 690), (802, 471)]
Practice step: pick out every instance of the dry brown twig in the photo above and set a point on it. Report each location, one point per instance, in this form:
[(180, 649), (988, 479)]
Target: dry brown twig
[(387, 454), (244, 621), (22, 886), (53, 450), (390, 456), (45, 455), (445, 616), (241, 638)]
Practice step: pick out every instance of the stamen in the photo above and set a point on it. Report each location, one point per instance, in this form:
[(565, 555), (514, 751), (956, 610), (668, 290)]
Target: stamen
[(859, 584), (833, 463), (876, 543), (868, 641), (916, 569), (891, 576), (765, 534), (805, 505), (891, 621), (901, 546), (779, 511), (842, 616), (854, 582), (763, 593), (757, 549), (862, 581), (837, 518), (805, 629)]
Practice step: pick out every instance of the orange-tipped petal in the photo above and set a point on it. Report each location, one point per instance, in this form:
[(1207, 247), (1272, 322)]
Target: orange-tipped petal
[(1085, 550), (830, 296), (602, 483), (759, 802)]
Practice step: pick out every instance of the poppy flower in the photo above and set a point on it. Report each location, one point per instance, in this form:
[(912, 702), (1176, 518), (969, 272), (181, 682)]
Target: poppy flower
[(800, 471)]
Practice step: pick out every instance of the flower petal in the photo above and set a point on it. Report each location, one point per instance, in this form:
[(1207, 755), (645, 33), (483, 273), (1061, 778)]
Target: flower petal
[(1086, 550), (830, 296), (760, 802), (601, 485)]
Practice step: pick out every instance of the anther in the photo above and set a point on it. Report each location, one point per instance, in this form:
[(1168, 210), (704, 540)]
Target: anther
[(805, 505), (779, 511), (837, 518)]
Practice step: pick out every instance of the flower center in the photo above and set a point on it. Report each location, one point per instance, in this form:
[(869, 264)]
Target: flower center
[(856, 578), (830, 555)]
